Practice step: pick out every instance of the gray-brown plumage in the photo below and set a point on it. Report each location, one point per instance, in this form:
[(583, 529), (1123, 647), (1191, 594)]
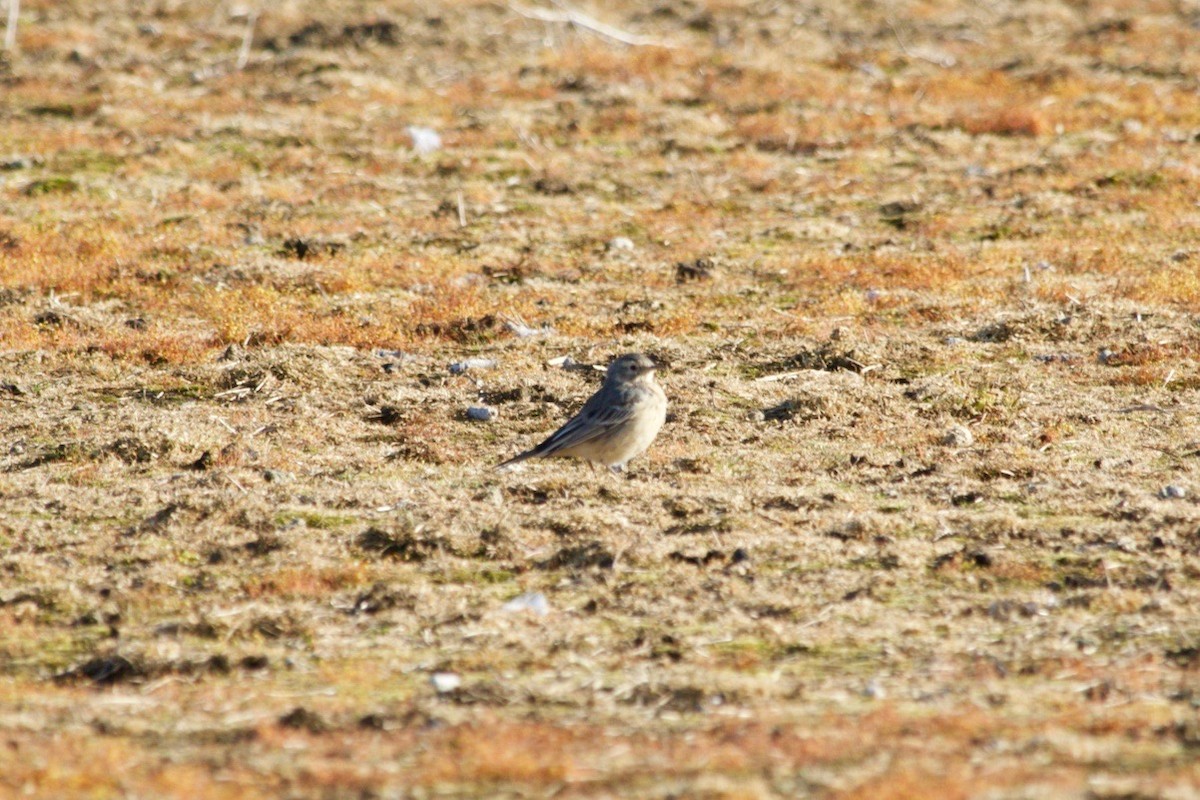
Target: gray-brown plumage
[(616, 424)]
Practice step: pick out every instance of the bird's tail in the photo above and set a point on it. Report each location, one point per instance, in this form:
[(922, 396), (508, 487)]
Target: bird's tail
[(517, 459)]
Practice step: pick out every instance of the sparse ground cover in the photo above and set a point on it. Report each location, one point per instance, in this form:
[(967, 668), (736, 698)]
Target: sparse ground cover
[(923, 520)]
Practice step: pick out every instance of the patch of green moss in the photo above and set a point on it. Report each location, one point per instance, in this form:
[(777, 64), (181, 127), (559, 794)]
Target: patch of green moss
[(53, 185), (87, 160), (314, 519)]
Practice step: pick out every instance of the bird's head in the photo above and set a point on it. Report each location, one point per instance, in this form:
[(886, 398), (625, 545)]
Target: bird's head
[(631, 367)]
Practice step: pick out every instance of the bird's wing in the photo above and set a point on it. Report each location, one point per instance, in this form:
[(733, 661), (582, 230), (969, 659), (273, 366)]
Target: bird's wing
[(592, 421)]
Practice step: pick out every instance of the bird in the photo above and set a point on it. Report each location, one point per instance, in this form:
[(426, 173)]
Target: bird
[(616, 424)]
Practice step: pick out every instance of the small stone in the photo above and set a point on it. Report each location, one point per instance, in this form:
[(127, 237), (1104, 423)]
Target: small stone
[(619, 243), (958, 436), (1172, 492), (481, 413), (875, 691), (445, 682)]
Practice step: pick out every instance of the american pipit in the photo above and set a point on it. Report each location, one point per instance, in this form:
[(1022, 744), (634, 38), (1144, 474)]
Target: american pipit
[(616, 424)]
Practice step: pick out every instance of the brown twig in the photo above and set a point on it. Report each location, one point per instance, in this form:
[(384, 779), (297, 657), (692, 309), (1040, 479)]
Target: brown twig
[(943, 61), (570, 16), (10, 31), (247, 40)]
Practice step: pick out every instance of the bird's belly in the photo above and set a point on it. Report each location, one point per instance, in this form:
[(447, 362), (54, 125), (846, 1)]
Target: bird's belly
[(628, 441)]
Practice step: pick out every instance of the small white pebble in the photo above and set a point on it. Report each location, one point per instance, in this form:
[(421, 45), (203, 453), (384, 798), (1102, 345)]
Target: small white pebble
[(444, 682), (531, 601), (481, 413), (958, 436), (459, 367), (565, 362), (954, 340), (1172, 492), (424, 140), (620, 243)]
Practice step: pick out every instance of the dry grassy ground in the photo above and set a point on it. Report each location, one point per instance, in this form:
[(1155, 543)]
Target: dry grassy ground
[(244, 518)]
